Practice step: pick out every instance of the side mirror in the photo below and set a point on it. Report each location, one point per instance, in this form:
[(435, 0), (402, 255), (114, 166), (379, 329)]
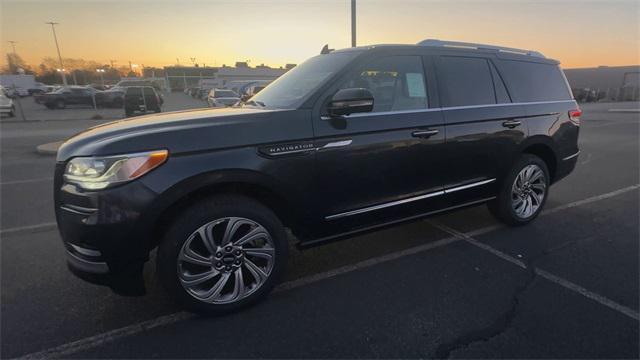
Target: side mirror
[(350, 101)]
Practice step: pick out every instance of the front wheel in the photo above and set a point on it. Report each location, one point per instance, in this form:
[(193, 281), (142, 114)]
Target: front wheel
[(222, 254), (523, 192)]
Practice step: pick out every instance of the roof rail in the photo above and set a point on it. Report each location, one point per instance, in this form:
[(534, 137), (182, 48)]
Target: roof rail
[(464, 45)]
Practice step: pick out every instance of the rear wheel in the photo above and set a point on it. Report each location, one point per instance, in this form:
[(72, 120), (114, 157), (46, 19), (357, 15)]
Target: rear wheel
[(222, 254), (60, 104), (523, 193)]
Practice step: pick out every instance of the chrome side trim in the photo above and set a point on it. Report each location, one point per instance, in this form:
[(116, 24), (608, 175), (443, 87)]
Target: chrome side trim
[(385, 205), (571, 156), (467, 186), (86, 252), (335, 144), (87, 266), (408, 200), (293, 152), (382, 113)]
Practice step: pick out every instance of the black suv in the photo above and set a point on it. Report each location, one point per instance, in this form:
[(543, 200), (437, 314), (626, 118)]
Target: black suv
[(141, 99), (348, 141)]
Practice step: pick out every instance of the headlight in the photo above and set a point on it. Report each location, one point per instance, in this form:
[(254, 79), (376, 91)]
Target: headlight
[(95, 173)]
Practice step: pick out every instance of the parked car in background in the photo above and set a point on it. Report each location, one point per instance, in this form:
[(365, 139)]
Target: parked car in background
[(141, 99), (113, 97), (6, 103), (222, 98), (70, 95), (16, 91), (39, 88)]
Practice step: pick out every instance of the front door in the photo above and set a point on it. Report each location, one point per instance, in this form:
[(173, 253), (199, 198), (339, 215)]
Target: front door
[(386, 164)]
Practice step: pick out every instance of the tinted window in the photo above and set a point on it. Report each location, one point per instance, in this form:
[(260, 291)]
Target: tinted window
[(148, 91), (134, 91), (465, 81), (396, 82), (529, 81), (291, 89)]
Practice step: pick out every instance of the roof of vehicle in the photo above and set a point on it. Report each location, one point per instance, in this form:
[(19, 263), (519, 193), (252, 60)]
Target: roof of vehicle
[(500, 51)]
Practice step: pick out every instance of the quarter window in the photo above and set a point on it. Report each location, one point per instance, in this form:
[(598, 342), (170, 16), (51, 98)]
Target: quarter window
[(465, 81), (396, 82), (529, 81)]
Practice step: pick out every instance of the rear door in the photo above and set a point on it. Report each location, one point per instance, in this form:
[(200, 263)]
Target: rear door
[(386, 164), (150, 98), (484, 128)]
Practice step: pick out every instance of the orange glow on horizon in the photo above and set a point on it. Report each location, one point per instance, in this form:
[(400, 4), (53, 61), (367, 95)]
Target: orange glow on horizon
[(273, 32)]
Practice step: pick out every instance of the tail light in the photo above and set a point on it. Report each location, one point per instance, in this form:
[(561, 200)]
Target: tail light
[(574, 115)]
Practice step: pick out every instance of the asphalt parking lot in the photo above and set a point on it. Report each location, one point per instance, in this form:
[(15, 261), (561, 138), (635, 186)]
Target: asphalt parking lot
[(458, 285)]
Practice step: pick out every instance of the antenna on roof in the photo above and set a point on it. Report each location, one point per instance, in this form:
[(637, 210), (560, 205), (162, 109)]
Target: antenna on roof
[(325, 49)]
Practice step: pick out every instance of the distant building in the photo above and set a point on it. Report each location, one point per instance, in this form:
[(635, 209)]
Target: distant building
[(605, 83), (181, 77)]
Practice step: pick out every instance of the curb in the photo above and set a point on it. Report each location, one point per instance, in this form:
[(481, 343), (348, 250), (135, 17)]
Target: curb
[(49, 148)]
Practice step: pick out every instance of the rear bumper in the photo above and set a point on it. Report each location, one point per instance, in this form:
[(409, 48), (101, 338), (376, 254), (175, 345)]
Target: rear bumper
[(566, 166)]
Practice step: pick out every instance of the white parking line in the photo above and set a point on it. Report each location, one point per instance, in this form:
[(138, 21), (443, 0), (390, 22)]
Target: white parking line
[(37, 227), (67, 349), (26, 181), (542, 273)]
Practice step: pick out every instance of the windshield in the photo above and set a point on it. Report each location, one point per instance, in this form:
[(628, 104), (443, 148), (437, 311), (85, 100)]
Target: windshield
[(292, 88)]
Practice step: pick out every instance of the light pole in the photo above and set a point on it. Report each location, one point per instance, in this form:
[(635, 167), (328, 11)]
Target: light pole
[(11, 59), (13, 45), (55, 38), (353, 23)]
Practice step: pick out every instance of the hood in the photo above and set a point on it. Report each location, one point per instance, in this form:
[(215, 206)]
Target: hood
[(178, 132)]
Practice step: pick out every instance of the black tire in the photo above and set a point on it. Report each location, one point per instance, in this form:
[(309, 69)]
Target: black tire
[(60, 104), (204, 212), (501, 207)]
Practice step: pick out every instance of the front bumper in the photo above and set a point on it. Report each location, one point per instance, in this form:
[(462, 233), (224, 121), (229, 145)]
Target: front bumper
[(104, 233)]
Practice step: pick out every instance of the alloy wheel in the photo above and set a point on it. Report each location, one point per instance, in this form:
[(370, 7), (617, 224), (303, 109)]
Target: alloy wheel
[(226, 260), (528, 191)]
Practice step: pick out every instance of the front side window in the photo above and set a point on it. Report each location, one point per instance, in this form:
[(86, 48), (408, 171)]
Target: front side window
[(465, 81), (396, 82), (291, 89)]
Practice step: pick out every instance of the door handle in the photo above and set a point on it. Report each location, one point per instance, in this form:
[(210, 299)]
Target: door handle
[(511, 124), (424, 134)]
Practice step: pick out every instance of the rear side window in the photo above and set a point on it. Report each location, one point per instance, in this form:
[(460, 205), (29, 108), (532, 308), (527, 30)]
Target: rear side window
[(529, 81), (465, 81), (134, 91), (148, 91)]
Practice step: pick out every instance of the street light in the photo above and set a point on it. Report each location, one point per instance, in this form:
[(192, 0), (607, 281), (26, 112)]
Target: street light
[(55, 38), (353, 23), (101, 71)]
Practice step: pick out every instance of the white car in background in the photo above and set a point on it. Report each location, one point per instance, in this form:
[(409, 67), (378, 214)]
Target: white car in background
[(6, 104), (222, 98)]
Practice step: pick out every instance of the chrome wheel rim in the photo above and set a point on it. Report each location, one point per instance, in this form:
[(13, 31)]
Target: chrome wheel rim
[(528, 191), (226, 260)]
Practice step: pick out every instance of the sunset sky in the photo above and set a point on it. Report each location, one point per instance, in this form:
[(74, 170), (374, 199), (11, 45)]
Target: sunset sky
[(155, 33)]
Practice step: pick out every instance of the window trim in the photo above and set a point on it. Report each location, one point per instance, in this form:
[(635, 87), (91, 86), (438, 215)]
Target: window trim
[(445, 108)]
